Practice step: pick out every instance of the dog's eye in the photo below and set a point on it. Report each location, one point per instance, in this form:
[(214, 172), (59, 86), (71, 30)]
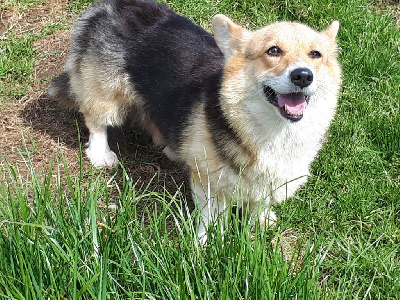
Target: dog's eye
[(274, 51), (315, 54)]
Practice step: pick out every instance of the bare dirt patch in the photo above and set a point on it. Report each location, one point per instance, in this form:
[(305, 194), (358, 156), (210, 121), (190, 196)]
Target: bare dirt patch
[(18, 138), (392, 5), (20, 20)]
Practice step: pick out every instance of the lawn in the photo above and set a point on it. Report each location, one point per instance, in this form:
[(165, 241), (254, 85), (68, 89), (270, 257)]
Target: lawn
[(68, 231)]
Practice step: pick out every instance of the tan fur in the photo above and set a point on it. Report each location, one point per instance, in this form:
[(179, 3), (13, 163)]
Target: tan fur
[(104, 98)]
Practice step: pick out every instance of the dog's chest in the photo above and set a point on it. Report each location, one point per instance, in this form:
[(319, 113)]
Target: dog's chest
[(282, 166)]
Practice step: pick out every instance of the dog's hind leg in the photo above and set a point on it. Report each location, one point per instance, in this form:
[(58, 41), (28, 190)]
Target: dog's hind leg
[(98, 149), (102, 103), (110, 110), (73, 94)]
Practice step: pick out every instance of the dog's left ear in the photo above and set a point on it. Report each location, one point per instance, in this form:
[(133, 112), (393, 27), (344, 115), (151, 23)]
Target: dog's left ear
[(227, 35), (332, 30)]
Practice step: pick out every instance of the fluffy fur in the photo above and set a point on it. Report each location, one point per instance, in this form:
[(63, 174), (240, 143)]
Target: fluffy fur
[(247, 111)]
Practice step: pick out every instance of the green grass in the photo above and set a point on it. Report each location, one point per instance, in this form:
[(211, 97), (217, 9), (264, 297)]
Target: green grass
[(71, 247), (16, 66), (18, 54), (58, 240)]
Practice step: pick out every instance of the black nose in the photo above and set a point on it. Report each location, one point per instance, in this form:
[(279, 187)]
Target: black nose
[(302, 77)]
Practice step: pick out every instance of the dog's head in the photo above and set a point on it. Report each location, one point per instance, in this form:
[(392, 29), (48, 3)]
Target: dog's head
[(285, 63)]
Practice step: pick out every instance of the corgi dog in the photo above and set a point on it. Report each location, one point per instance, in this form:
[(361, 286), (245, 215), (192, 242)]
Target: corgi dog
[(246, 110)]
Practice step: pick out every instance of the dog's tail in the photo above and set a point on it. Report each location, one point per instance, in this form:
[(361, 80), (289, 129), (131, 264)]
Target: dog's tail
[(60, 89)]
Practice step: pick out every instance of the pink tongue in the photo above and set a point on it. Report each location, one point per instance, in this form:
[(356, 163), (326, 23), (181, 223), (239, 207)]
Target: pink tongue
[(295, 103)]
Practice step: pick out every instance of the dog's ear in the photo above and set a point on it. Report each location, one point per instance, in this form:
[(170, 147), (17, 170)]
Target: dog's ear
[(332, 30), (227, 35)]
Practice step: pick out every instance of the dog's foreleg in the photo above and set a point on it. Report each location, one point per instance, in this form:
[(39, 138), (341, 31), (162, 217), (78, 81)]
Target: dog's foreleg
[(267, 218), (265, 215), (210, 209), (98, 150)]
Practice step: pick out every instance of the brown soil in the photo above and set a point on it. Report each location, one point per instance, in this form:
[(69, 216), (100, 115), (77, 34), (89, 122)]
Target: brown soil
[(19, 20), (392, 5), (35, 127)]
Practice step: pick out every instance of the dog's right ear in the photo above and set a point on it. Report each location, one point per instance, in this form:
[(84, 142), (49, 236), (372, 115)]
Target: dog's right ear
[(227, 35)]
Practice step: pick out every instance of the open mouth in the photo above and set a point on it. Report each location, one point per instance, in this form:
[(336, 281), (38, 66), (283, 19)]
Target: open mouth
[(291, 106)]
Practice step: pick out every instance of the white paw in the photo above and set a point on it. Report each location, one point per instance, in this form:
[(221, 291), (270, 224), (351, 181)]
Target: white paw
[(202, 239), (201, 233), (267, 218), (101, 159)]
